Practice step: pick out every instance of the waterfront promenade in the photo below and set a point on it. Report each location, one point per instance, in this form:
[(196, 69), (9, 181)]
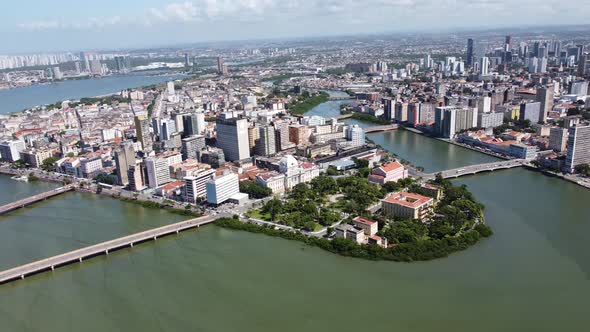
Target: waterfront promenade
[(33, 199), (51, 263)]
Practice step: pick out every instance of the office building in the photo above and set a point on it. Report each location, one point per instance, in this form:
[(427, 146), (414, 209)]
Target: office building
[(124, 158), (142, 131), (194, 124), (299, 134), (558, 139), (355, 135), (484, 68), (34, 157), (221, 188), (584, 65), (191, 146), (545, 96), (450, 120), (136, 177), (470, 52), (158, 171), (232, 138), (266, 142), (530, 111), (490, 120), (578, 147), (10, 150), (196, 185)]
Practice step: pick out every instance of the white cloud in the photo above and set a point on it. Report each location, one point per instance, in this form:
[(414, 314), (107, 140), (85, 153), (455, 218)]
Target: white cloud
[(340, 12)]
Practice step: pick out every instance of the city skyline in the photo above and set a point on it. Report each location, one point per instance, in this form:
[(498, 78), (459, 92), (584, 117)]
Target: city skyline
[(154, 23)]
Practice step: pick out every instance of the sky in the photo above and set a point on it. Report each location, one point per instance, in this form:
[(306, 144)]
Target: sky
[(56, 25)]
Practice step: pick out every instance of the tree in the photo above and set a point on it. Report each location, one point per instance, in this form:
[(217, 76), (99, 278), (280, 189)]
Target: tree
[(254, 189), (19, 164), (274, 207), (583, 169), (48, 164), (324, 185)]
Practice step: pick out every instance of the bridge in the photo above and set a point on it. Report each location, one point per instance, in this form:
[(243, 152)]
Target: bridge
[(103, 248), (376, 129), (34, 199), (341, 98), (474, 169), (343, 116)]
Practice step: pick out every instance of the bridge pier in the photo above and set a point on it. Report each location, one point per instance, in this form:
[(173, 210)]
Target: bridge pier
[(80, 259), (106, 251), (22, 276), (131, 244), (52, 268)]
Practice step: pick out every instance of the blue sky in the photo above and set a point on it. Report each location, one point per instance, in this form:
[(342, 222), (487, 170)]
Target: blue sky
[(48, 25)]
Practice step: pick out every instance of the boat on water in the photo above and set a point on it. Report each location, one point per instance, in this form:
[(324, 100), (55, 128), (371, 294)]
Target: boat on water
[(23, 178)]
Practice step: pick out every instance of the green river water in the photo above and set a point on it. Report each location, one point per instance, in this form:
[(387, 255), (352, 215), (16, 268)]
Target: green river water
[(532, 275)]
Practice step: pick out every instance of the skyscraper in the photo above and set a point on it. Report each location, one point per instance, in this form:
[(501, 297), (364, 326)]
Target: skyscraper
[(142, 130), (470, 51), (545, 96), (124, 158), (507, 43), (232, 138), (485, 66), (266, 142), (578, 147), (194, 124), (191, 146)]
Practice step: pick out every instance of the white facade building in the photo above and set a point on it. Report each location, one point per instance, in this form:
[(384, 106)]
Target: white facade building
[(221, 188)]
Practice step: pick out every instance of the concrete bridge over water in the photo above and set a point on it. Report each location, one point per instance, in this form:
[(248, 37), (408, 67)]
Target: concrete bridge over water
[(474, 169), (77, 256), (34, 199)]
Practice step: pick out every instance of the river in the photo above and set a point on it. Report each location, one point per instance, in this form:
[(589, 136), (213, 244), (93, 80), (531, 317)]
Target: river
[(15, 100), (532, 275)]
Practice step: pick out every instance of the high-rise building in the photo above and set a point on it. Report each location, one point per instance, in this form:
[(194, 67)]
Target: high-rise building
[(84, 59), (142, 131), (558, 139), (122, 64), (484, 68), (356, 135), (196, 185), (194, 124), (545, 95), (167, 129), (221, 188), (10, 150), (449, 120), (191, 146), (266, 143), (187, 61), (490, 120), (470, 52), (136, 177), (232, 138), (584, 65), (124, 158), (299, 134), (221, 66), (401, 112), (530, 111), (96, 67), (578, 147), (507, 43), (158, 171)]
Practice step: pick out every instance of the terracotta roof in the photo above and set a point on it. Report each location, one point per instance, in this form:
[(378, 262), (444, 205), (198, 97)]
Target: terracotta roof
[(364, 220), (392, 166), (408, 199)]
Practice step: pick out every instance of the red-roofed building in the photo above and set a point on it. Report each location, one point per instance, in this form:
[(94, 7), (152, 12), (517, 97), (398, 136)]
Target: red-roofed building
[(407, 205), (367, 225), (389, 172)]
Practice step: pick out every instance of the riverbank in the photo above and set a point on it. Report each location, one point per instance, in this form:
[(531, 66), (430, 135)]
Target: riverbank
[(307, 104), (421, 251)]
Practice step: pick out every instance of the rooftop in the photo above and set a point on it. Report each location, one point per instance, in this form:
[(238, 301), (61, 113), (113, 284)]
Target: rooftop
[(408, 199)]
